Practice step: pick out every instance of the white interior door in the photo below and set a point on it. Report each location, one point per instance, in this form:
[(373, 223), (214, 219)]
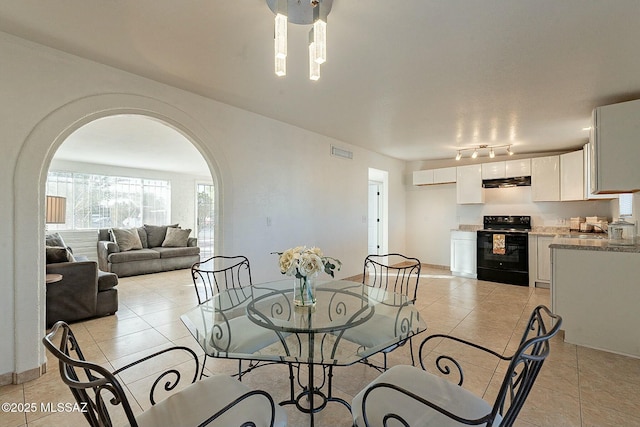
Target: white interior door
[(375, 218)]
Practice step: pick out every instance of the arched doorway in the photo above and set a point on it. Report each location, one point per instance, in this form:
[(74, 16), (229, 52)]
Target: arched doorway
[(126, 171), (29, 196)]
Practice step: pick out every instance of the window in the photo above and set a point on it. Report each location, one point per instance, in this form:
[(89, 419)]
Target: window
[(97, 201), (625, 204)]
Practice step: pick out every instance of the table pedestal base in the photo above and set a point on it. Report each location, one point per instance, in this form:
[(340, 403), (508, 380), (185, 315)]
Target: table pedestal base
[(310, 393)]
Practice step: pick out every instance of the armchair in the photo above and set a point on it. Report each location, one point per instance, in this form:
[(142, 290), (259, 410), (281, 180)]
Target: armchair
[(83, 292), (410, 396), (215, 401)]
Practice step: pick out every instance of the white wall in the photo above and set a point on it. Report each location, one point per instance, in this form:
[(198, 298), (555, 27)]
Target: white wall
[(262, 169)]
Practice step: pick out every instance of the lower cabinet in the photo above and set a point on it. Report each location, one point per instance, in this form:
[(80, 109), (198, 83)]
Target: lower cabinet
[(463, 253), (539, 261)]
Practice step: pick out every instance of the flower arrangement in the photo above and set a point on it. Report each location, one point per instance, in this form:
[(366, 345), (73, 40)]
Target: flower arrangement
[(303, 262)]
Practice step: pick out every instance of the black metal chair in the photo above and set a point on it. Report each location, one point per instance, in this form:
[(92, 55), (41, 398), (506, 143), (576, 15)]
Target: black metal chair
[(216, 401), (410, 396), (231, 274), (221, 273), (394, 273)]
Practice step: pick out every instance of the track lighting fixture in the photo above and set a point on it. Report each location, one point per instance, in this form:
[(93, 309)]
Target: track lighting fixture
[(480, 148)]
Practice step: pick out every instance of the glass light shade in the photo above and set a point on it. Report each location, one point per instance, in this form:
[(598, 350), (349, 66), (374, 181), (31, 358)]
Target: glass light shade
[(475, 154), (491, 153), (281, 66), (314, 67), (458, 156), (280, 37), (320, 41)]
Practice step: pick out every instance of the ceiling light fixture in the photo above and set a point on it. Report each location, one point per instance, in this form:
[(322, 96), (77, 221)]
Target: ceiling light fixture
[(301, 12), (477, 150)]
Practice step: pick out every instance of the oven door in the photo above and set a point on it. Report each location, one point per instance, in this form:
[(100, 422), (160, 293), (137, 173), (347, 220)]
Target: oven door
[(503, 256)]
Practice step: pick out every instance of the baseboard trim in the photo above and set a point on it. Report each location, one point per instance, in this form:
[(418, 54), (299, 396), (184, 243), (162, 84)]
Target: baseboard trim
[(436, 266), (22, 377)]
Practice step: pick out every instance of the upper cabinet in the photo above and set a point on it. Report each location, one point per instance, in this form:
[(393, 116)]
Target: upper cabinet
[(424, 177), (545, 179), (444, 175), (515, 168), (572, 176), (469, 184), (614, 148), (586, 161), (506, 169), (493, 170), (434, 176)]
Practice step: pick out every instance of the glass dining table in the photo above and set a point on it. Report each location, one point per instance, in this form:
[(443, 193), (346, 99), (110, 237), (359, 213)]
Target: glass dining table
[(261, 323)]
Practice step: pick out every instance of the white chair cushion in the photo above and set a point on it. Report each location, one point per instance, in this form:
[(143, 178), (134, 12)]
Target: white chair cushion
[(196, 403), (375, 331), (246, 337), (443, 393)]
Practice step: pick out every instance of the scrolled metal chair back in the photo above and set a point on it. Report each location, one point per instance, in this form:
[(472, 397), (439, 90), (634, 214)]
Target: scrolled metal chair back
[(393, 272), (221, 273), (525, 364), (97, 390)]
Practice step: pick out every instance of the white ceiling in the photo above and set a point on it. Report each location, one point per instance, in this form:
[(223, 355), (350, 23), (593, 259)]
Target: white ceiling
[(412, 79), (133, 141)]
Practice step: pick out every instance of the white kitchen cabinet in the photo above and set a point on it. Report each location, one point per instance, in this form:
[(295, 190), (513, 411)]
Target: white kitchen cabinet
[(506, 169), (572, 176), (444, 175), (539, 261), (423, 177), (545, 179), (469, 184), (596, 293), (463, 253), (434, 176), (493, 170), (588, 195), (614, 148), (515, 168)]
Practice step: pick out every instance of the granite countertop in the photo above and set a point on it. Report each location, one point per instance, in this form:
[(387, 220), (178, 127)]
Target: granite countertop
[(468, 227), (549, 231), (593, 244)]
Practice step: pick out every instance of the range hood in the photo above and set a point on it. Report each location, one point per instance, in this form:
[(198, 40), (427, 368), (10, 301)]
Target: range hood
[(519, 181)]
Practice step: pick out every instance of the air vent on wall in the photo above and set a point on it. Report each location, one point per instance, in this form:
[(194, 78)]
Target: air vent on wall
[(339, 152)]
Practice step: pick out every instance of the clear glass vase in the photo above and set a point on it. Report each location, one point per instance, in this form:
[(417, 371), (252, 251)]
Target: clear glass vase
[(304, 291)]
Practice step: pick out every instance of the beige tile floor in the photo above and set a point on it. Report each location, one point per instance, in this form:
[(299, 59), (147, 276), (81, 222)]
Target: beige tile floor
[(577, 386)]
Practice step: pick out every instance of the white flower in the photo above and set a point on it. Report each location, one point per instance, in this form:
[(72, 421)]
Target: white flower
[(303, 261), (310, 263)]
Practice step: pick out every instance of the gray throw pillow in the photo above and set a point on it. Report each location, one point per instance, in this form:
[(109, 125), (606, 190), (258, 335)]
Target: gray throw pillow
[(142, 232), (56, 254), (156, 234), (54, 239), (176, 237), (126, 238)]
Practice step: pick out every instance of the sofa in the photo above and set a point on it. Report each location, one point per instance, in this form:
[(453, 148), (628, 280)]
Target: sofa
[(146, 249), (84, 291)]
